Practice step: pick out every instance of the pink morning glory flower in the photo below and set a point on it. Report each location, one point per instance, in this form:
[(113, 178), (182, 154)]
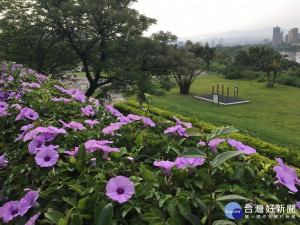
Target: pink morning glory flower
[(32, 85), (32, 219), (3, 162), (120, 189), (91, 123), (3, 106), (9, 211), (165, 167), (286, 175), (27, 202), (241, 147), (124, 119), (188, 125), (46, 157), (176, 129), (298, 205), (107, 149), (52, 130), (134, 117), (110, 129), (182, 162), (87, 111), (61, 99), (27, 113), (112, 110), (148, 121), (36, 143), (72, 153), (213, 144)]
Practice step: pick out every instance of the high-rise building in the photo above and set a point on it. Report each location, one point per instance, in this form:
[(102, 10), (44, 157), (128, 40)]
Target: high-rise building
[(277, 35), (292, 36)]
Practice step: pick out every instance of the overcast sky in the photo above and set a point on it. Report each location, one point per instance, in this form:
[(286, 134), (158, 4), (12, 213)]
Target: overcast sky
[(189, 18)]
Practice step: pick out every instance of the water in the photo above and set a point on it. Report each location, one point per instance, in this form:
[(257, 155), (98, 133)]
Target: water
[(292, 55)]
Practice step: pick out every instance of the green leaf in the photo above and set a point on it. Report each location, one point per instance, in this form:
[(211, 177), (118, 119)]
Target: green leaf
[(183, 205), (147, 174), (223, 157), (231, 197), (54, 216), (289, 223), (193, 152), (193, 219), (201, 205), (204, 175), (126, 210), (171, 207), (194, 132), (62, 222), (222, 222), (79, 166), (221, 131), (70, 201), (82, 204), (238, 173), (81, 152), (105, 217), (76, 220), (139, 139), (163, 199), (92, 201)]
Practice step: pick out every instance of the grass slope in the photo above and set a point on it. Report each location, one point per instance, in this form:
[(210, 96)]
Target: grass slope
[(273, 114)]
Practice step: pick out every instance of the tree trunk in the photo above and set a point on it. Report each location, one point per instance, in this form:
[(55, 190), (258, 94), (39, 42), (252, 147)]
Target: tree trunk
[(185, 89), (274, 78), (92, 88)]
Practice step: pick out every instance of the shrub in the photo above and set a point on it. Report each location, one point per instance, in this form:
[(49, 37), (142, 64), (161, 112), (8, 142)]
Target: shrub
[(65, 168)]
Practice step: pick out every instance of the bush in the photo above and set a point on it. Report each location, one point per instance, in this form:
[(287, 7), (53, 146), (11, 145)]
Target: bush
[(121, 170)]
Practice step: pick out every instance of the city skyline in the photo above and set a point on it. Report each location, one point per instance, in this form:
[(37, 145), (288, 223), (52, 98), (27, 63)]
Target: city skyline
[(194, 18)]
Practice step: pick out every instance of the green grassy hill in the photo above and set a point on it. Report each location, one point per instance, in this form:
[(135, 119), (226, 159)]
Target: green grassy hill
[(273, 114)]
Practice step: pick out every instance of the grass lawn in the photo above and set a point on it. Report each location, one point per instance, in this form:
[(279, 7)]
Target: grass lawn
[(273, 114)]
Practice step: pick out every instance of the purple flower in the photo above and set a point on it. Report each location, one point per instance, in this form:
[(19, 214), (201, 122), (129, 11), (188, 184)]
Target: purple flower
[(32, 220), (27, 113), (27, 202), (87, 111), (27, 127), (3, 106), (61, 89), (76, 126), (188, 125), (124, 119), (213, 144), (110, 129), (148, 121), (93, 145), (286, 175), (46, 157), (52, 130), (241, 147), (107, 149), (298, 205), (36, 143), (3, 162), (134, 117), (16, 105), (120, 189), (32, 85), (178, 128), (9, 211), (112, 110), (91, 123), (96, 102), (61, 99), (182, 162), (72, 153), (165, 167), (79, 96)]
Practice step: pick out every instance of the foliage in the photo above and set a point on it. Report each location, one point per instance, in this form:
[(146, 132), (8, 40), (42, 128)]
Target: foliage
[(73, 191), (263, 148)]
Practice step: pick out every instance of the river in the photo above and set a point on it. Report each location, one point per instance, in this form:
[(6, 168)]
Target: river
[(292, 55)]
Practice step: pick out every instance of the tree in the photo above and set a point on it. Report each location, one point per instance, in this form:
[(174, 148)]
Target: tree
[(93, 28), (185, 65), (30, 42)]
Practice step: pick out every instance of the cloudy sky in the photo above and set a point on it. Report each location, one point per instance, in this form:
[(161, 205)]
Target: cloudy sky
[(190, 18)]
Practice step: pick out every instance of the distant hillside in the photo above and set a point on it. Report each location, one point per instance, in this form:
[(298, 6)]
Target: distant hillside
[(237, 36)]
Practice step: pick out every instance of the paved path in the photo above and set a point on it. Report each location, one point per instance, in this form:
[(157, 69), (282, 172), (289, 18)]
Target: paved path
[(82, 84)]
